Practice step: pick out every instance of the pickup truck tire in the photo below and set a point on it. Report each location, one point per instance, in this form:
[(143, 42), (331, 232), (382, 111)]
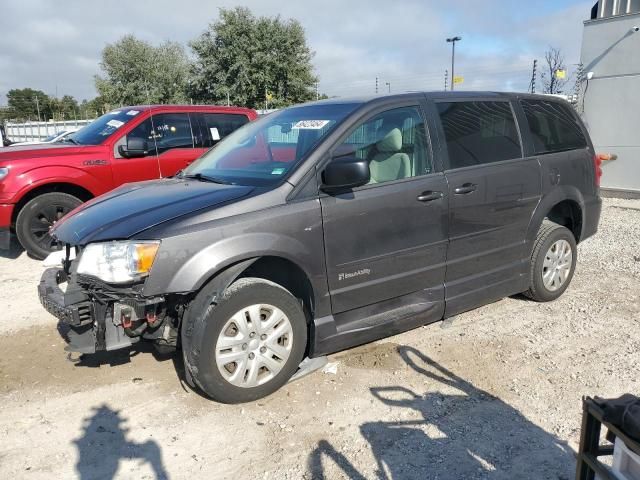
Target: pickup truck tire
[(252, 340), (37, 216), (553, 262)]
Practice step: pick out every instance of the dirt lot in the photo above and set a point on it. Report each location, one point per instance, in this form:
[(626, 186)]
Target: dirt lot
[(493, 394)]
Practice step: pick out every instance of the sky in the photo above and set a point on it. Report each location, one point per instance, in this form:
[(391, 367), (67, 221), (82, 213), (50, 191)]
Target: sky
[(56, 46)]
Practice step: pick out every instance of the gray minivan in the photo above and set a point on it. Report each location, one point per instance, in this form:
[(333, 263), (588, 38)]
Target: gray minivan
[(328, 225)]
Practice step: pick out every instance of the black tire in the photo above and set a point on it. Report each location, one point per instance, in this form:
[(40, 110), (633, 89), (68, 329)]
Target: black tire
[(207, 315), (549, 234), (37, 216)]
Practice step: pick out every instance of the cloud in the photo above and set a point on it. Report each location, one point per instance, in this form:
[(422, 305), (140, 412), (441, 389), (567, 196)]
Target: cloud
[(54, 48)]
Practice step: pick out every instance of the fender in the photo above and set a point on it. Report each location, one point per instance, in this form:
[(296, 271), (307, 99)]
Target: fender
[(558, 194), (40, 176), (205, 264)]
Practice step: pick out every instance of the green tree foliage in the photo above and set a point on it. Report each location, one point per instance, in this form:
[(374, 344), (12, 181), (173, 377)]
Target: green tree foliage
[(249, 58), (135, 72), (23, 104)]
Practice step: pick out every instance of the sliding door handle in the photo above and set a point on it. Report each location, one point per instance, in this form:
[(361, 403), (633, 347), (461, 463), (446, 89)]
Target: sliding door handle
[(429, 196), (465, 188)]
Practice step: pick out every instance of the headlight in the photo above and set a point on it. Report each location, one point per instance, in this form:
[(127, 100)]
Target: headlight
[(4, 171), (118, 262)]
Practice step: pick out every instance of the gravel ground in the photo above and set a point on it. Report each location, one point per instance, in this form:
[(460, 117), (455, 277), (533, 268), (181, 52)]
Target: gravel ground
[(496, 393)]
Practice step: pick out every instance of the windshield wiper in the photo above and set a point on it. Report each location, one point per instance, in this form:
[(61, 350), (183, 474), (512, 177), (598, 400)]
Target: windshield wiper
[(71, 140), (206, 178)]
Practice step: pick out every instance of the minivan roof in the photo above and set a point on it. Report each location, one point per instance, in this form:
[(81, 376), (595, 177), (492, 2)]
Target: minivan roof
[(434, 95)]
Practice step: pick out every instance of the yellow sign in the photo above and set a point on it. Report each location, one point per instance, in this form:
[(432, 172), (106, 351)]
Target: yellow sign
[(560, 74), (458, 79), (269, 96)]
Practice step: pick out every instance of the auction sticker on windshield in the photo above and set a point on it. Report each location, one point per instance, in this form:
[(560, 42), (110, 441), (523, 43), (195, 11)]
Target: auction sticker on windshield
[(115, 123), (311, 124)]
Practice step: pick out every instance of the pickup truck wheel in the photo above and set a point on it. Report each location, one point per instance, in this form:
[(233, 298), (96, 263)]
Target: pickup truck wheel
[(36, 218), (253, 339), (553, 262)]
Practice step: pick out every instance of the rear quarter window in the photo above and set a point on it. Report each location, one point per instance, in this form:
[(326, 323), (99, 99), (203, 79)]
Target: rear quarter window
[(479, 132), (553, 127)]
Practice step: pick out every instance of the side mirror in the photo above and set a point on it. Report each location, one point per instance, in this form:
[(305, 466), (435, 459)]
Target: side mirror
[(136, 148), (345, 173)]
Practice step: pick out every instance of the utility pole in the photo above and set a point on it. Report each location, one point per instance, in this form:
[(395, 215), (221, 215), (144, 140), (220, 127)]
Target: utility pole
[(317, 92), (533, 77), (376, 85), (577, 89), (446, 78), (452, 41), (38, 107), (388, 84), (228, 100), (265, 98)]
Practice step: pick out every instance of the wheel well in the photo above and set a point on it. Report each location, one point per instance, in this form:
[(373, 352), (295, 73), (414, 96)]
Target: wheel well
[(79, 192), (568, 214), (285, 273)]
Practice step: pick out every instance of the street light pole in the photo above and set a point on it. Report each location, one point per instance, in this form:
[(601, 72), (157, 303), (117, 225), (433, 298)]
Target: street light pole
[(452, 41)]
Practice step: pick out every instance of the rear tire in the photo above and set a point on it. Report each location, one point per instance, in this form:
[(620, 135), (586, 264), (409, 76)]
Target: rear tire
[(36, 218), (553, 262), (248, 343)]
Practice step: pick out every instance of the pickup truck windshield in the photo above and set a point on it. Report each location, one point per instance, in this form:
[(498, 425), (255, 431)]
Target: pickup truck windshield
[(100, 129), (263, 152)]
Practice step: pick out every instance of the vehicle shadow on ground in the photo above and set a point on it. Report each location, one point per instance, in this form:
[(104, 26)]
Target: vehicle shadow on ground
[(14, 251), (461, 432), (104, 443), (124, 356)]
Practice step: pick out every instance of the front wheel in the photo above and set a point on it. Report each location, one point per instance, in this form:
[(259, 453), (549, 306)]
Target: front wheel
[(36, 218), (251, 341), (553, 262)]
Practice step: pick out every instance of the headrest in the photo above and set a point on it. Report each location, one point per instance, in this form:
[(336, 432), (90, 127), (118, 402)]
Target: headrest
[(391, 142)]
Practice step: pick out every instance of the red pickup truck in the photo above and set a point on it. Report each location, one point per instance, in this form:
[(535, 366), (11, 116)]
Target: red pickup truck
[(41, 183)]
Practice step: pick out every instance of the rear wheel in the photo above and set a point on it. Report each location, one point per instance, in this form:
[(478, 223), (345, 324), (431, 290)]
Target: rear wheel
[(252, 340), (553, 262), (36, 218)]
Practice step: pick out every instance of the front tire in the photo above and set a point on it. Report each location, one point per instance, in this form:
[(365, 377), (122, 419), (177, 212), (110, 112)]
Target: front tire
[(252, 340), (553, 262), (36, 218)]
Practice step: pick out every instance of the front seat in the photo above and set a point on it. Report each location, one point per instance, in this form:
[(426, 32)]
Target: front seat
[(389, 163)]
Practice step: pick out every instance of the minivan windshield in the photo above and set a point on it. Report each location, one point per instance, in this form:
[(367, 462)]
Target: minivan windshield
[(263, 152), (103, 127)]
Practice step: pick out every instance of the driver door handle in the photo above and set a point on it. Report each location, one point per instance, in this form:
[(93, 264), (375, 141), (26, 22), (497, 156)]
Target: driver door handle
[(465, 188), (429, 196)]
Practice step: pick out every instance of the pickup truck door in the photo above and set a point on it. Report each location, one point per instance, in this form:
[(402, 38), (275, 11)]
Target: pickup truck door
[(127, 170), (388, 239), (175, 143)]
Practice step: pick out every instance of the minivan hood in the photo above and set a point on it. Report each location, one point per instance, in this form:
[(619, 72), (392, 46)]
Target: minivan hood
[(135, 207)]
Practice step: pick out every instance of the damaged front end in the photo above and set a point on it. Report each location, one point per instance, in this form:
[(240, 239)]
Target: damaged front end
[(96, 316)]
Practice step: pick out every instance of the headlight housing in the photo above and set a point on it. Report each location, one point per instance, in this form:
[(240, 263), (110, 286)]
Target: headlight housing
[(118, 262), (4, 171)]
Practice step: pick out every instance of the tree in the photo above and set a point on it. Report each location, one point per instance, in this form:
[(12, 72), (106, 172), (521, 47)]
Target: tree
[(551, 81), (94, 108), (249, 59), (28, 104), (135, 72), (65, 108)]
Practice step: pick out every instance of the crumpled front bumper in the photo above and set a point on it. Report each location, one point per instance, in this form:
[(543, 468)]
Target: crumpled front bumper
[(97, 318), (54, 300), (73, 309)]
